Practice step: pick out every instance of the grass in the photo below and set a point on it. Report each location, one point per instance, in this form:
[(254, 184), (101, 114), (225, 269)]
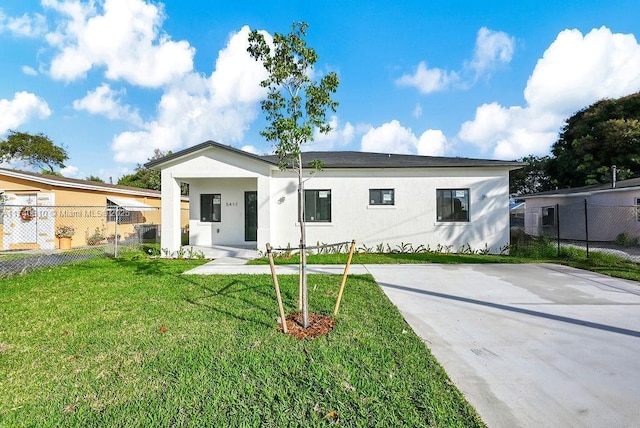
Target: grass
[(134, 342), (606, 264)]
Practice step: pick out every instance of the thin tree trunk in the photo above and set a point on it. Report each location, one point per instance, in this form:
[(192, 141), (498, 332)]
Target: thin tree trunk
[(303, 247)]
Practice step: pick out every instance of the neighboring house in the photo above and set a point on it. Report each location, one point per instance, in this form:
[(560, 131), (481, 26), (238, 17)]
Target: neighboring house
[(241, 199), (517, 210), (606, 209), (54, 201)]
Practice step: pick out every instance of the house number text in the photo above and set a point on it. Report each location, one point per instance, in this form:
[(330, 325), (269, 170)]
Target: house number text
[(232, 204)]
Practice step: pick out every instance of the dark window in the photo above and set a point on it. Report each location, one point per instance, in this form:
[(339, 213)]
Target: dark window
[(548, 216), (210, 207), (317, 205), (638, 209), (452, 204), (381, 197)]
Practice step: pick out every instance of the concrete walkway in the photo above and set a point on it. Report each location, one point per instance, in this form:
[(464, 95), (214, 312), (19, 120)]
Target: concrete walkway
[(528, 345)]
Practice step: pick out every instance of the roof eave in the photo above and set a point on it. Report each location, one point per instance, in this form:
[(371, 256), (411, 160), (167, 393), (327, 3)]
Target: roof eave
[(158, 163), (97, 187)]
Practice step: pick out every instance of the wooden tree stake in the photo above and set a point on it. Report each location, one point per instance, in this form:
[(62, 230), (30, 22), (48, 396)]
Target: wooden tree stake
[(283, 320), (344, 277)]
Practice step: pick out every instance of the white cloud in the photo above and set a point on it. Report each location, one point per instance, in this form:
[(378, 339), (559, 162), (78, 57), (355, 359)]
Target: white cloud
[(196, 108), (574, 72), (578, 70), (417, 111), (29, 71), (492, 49), (105, 101), (21, 109), (124, 38), (392, 137), (25, 25), (70, 171), (432, 142), (250, 149), (428, 80), (336, 138)]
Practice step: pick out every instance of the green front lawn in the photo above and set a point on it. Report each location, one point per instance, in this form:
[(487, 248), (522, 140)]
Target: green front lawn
[(136, 343)]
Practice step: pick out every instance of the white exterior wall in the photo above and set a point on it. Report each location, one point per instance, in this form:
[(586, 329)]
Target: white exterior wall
[(230, 229), (413, 217), (212, 171), (412, 220)]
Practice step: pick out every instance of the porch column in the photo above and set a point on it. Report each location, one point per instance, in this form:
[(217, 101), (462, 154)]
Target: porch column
[(264, 211), (170, 228)]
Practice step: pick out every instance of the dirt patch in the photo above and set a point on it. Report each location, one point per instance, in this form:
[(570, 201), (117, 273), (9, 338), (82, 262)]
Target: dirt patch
[(319, 325)]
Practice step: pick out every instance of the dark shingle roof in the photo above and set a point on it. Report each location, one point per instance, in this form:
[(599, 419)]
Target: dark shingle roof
[(352, 159)]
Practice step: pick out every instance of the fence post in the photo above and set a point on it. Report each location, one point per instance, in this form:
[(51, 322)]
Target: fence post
[(586, 225), (558, 228), (115, 233)]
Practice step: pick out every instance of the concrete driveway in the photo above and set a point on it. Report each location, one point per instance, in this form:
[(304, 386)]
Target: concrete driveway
[(528, 345)]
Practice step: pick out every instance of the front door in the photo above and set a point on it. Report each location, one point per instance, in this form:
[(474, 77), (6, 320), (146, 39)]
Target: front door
[(27, 227), (251, 216)]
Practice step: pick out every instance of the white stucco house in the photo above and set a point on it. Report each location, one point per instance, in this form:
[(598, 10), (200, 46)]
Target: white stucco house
[(607, 209), (242, 199)]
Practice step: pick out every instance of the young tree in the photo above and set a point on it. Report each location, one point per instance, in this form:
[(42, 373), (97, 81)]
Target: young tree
[(295, 106), (35, 150)]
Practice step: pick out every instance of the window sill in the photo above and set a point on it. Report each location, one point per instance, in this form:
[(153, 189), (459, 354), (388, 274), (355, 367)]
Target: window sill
[(381, 207), (316, 224), (452, 223)]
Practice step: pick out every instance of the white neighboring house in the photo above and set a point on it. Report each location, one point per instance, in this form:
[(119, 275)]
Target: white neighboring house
[(611, 209), (241, 199)]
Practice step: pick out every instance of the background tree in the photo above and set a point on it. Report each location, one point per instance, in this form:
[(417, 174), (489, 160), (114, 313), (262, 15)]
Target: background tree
[(35, 150), (295, 106), (146, 178), (594, 139), (532, 178), (94, 178)]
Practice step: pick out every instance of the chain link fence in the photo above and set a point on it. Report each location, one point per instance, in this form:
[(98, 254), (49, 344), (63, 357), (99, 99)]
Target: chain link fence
[(39, 236), (592, 227)]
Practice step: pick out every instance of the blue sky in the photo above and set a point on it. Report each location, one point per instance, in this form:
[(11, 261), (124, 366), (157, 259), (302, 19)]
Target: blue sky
[(112, 80)]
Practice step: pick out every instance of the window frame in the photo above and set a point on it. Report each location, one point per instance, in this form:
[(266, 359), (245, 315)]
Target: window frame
[(210, 217), (316, 198), (460, 216), (380, 202), (545, 216)]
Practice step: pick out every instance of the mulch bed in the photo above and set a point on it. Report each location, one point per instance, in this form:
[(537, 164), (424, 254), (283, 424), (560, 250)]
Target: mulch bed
[(319, 325)]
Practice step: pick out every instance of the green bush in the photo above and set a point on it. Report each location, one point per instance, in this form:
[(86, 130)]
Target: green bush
[(151, 249), (626, 241)]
